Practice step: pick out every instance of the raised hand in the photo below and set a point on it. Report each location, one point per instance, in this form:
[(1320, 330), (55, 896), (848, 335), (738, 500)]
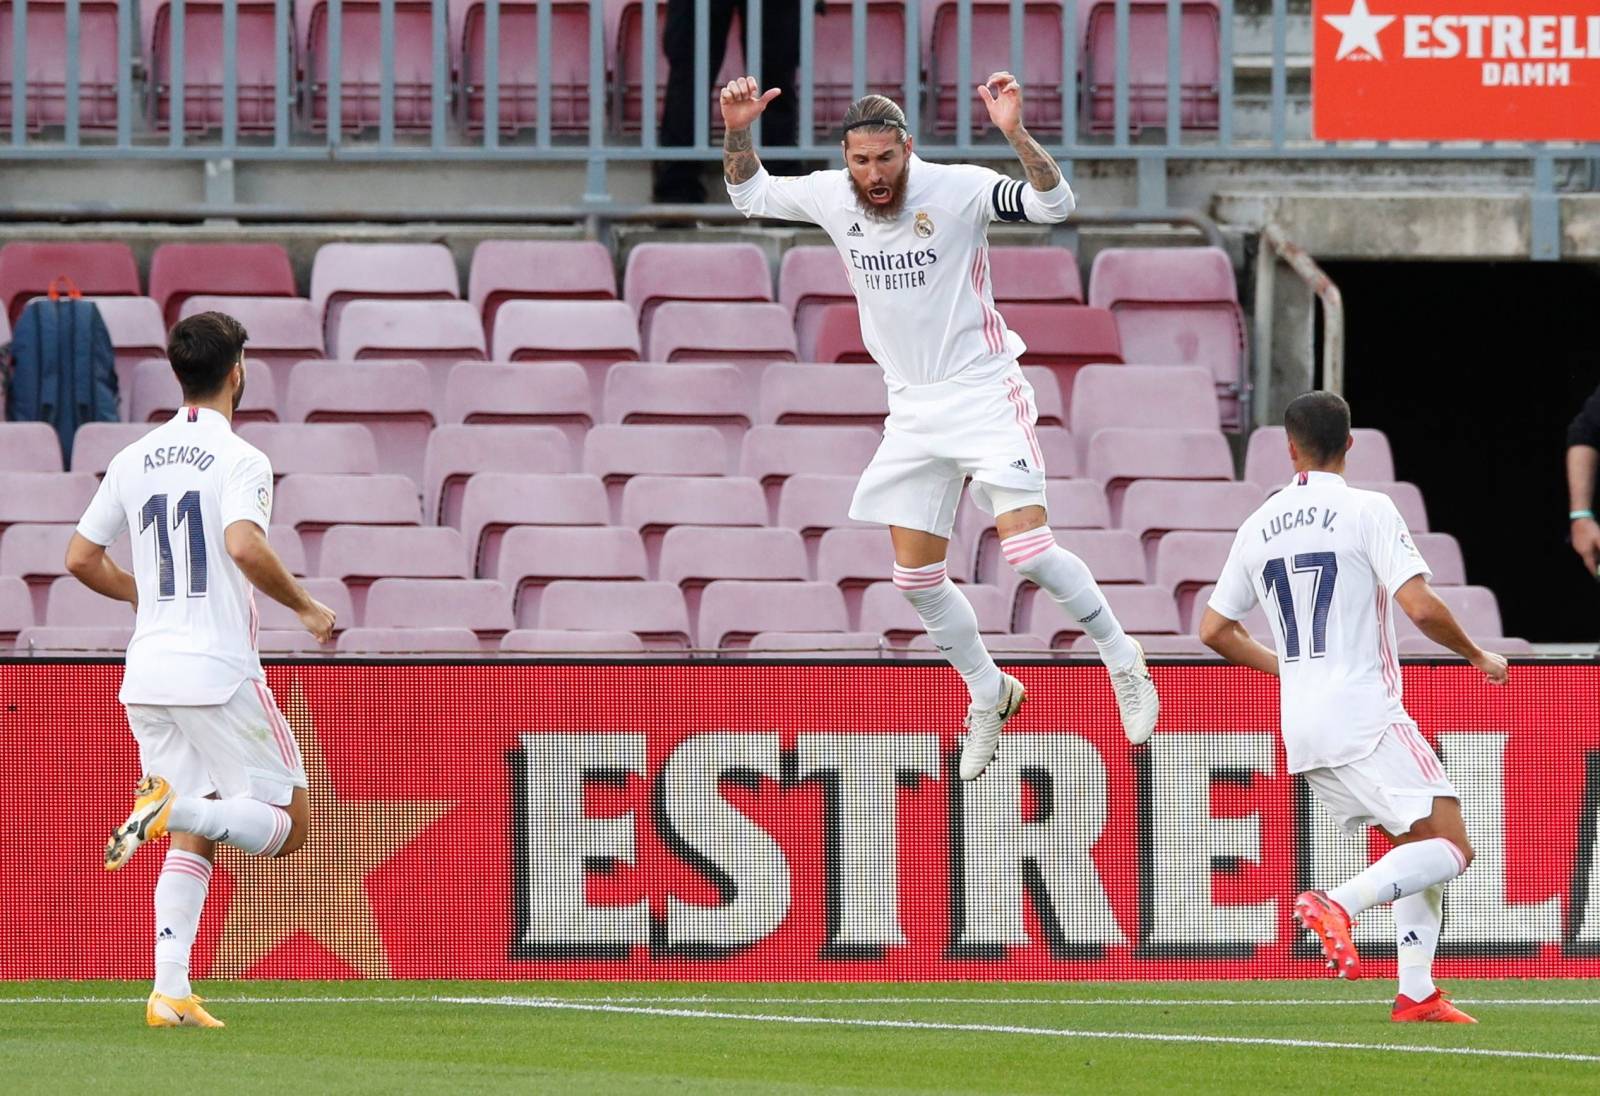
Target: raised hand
[(1004, 101), (743, 101)]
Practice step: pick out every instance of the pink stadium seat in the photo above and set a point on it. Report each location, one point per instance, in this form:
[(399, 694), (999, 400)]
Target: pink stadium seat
[(96, 443), (1059, 450), (362, 554), (16, 609), (532, 557), (1048, 403), (1441, 551), (330, 448), (1151, 508), (804, 645), (715, 331), (1147, 397), (653, 611), (1158, 646), (96, 268), (1048, 275), (1188, 560), (654, 504), (179, 271), (1064, 338), (660, 272), (833, 72), (44, 496), (1118, 455), (495, 501), (37, 555), (481, 605), (1422, 646), (705, 395), (282, 642), (555, 394), (154, 395), (283, 330), (773, 453), (48, 640), (886, 612), (456, 453), (1176, 306), (515, 270), (255, 65), (1255, 621), (834, 336), (693, 555), (732, 611), (285, 540), (438, 332), (811, 395), (46, 74), (330, 591), (361, 68), (518, 76), (405, 642), (394, 400), (990, 51), (1004, 646), (311, 502), (1142, 610), (1112, 556), (137, 332), (1475, 607), (71, 604), (1407, 499), (536, 641), (1199, 65), (1266, 459), (810, 279), (853, 558), (343, 272), (29, 447), (812, 503), (627, 19), (592, 333), (615, 452)]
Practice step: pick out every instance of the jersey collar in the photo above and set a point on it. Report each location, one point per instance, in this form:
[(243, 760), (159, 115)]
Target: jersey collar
[(190, 413), (1301, 479)]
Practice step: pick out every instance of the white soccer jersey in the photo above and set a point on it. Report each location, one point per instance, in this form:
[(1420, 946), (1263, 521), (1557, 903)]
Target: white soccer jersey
[(921, 280), (177, 490), (1325, 559)]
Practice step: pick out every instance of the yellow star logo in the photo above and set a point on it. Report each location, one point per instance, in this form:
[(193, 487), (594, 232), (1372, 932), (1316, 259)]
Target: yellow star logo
[(321, 890)]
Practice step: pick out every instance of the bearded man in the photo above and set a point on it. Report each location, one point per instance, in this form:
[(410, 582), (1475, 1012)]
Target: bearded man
[(914, 238)]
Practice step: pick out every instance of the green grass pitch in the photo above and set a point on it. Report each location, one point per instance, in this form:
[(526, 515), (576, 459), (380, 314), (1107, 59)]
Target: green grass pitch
[(461, 1037)]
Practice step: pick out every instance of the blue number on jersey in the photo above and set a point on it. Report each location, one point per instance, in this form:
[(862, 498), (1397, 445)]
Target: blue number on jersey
[(187, 513), (1275, 578)]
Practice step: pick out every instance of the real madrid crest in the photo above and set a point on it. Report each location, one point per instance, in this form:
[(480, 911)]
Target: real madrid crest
[(923, 226)]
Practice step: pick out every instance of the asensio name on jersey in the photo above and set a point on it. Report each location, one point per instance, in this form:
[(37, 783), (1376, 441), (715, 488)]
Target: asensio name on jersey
[(922, 279)]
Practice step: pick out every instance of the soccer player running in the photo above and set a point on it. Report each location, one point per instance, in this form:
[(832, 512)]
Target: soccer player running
[(1326, 560), (914, 239), (219, 760)]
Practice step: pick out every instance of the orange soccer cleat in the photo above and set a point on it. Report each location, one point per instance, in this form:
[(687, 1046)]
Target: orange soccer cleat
[(1327, 920), (1435, 1008)]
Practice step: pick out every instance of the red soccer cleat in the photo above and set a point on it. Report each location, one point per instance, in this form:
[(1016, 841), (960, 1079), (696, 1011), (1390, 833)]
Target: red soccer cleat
[(1435, 1009), (1326, 919)]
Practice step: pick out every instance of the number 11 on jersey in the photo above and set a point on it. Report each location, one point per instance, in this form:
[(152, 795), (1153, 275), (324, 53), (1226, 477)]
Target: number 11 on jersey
[(1275, 578), (186, 514)]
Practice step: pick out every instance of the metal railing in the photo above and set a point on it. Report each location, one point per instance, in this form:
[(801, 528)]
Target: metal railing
[(471, 103)]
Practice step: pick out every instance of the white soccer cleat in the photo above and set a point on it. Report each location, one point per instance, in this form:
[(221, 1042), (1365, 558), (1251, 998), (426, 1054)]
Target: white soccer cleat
[(1137, 701), (983, 727)]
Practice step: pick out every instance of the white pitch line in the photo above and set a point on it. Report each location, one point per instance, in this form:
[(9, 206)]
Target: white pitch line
[(1071, 1002)]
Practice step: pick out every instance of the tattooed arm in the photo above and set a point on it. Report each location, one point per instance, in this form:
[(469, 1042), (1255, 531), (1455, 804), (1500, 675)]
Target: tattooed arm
[(743, 102), (739, 160), (1047, 199), (1037, 164)]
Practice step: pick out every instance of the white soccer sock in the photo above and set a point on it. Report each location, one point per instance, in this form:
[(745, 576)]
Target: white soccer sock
[(180, 895), (246, 824), (950, 620), (1066, 578), (1404, 869), (1417, 918)]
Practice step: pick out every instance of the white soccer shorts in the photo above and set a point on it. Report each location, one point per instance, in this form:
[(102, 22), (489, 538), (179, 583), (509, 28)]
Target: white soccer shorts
[(1393, 786), (241, 749), (939, 435)]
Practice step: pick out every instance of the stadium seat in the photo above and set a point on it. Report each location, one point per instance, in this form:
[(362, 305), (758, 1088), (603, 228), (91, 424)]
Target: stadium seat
[(653, 611), (715, 331), (344, 272), (1119, 455), (1255, 621), (1145, 397), (1112, 556), (311, 502), (812, 278), (71, 604), (45, 78), (550, 394), (812, 503), (49, 640), (515, 270), (592, 333), (1176, 306), (137, 332), (154, 394), (1420, 646), (773, 453), (179, 271), (285, 540), (654, 504), (1151, 508), (96, 443), (274, 617), (1266, 459), (518, 71), (361, 64), (886, 612), (812, 395), (1047, 275), (394, 400), (1141, 610), (1064, 338), (833, 57), (283, 642), (628, 80), (481, 605), (495, 501), (437, 333), (733, 611), (853, 558), (532, 557), (1475, 607), (835, 336), (806, 645), (661, 272), (456, 453), (410, 642), (96, 268), (44, 497), (714, 395), (16, 609), (29, 447), (1407, 498), (1004, 646), (359, 555), (255, 65), (1188, 560), (328, 448), (1440, 550), (990, 51), (1155, 646), (283, 330), (1059, 450), (1048, 404), (615, 452), (537, 641), (1199, 65), (37, 555), (693, 555)]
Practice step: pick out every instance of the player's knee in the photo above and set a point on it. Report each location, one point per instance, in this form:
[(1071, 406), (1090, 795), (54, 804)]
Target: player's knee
[(298, 830), (920, 584), (1464, 847)]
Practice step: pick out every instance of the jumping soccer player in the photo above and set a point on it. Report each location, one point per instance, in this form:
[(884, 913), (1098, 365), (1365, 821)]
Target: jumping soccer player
[(1325, 560), (219, 761), (914, 239)]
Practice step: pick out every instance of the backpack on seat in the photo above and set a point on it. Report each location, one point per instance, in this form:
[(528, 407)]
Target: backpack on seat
[(61, 368)]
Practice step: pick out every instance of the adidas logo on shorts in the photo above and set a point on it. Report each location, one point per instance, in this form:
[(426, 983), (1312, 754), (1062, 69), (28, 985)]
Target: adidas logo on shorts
[(1020, 463)]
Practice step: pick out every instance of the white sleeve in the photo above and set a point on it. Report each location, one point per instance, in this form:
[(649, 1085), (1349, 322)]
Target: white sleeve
[(247, 492), (1235, 594), (784, 198), (1389, 547), (1018, 200), (105, 520)]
